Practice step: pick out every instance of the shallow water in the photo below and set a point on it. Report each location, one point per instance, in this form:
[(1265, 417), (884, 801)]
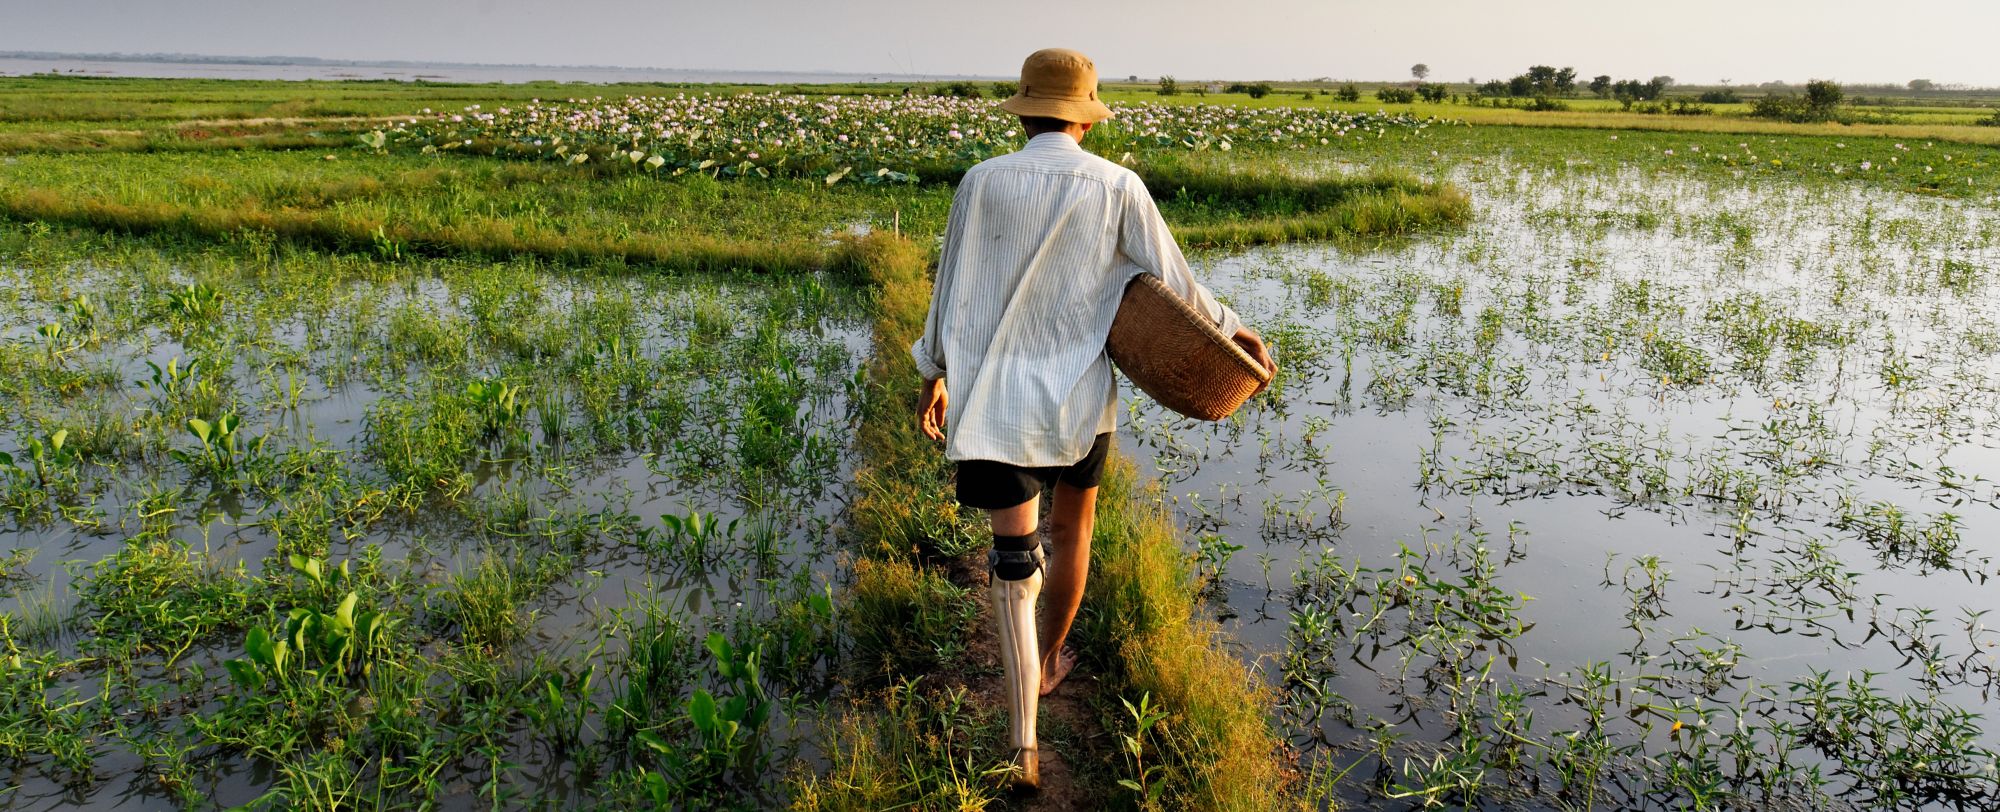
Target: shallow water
[(597, 490), (433, 72), (1504, 399)]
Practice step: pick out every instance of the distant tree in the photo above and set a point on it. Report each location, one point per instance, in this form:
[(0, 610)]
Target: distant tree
[(1686, 107), (1421, 71), (1395, 95), (1002, 90), (1132, 78), (1601, 86), (1631, 90), (1541, 79), (1169, 87), (1431, 92), (1822, 94), (1348, 93), (1921, 85), (1821, 103), (1664, 82), (1256, 91), (1723, 96)]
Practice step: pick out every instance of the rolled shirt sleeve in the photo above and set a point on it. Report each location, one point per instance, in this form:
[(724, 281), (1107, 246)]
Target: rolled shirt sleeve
[(926, 358), (928, 351), (1143, 237)]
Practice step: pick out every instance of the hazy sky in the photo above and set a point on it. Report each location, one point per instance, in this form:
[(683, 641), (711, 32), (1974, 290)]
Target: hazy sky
[(1745, 41)]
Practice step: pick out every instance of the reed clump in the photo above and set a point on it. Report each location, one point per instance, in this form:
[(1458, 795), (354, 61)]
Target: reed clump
[(484, 237), (1220, 752)]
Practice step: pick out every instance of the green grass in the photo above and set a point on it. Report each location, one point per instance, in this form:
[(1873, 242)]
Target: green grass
[(479, 523), (1912, 118), (152, 103), (396, 205), (393, 206), (457, 678), (487, 312)]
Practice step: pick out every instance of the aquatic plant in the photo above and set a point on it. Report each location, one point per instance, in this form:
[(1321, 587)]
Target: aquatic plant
[(870, 139)]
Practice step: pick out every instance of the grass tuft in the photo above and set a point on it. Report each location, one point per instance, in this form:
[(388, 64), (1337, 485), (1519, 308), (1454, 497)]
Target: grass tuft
[(916, 750), (1218, 748), (905, 619)]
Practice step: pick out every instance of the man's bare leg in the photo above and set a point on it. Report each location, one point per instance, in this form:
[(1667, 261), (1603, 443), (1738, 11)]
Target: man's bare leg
[(1071, 519), (1019, 520)]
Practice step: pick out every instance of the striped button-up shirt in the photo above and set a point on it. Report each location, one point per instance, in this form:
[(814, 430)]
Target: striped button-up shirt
[(1036, 255)]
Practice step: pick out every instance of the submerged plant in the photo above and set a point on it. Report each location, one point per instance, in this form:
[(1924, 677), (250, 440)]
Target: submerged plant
[(193, 306), (222, 452), (496, 405), (314, 645)]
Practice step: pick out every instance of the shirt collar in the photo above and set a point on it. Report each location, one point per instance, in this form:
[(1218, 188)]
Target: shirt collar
[(1060, 141)]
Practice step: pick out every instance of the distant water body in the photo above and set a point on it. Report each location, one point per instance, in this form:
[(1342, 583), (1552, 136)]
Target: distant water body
[(18, 66)]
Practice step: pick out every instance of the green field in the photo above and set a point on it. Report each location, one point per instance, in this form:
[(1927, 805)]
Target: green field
[(364, 448)]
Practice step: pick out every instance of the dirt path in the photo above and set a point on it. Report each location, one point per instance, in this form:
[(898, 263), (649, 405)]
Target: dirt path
[(1071, 738)]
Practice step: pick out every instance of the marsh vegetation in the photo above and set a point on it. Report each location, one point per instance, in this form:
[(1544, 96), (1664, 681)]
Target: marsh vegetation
[(1650, 490), (413, 461)]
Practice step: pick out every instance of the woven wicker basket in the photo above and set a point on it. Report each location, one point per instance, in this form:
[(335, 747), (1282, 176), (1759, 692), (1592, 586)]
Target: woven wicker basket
[(1176, 355)]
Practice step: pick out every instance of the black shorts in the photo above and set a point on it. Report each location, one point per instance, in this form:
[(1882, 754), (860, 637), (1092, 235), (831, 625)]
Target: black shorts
[(990, 485)]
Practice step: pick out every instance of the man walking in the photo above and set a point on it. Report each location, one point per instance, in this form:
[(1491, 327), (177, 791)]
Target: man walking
[(1038, 250)]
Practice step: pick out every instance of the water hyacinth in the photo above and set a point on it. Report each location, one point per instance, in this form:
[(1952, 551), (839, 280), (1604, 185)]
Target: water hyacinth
[(869, 138)]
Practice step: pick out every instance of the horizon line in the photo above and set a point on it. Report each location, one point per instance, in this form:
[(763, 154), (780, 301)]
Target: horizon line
[(270, 59)]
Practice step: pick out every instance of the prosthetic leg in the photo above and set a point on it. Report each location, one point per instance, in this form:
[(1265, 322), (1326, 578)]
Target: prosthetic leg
[(1016, 564)]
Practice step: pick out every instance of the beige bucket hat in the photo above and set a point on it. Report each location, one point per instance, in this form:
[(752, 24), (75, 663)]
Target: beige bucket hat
[(1058, 83)]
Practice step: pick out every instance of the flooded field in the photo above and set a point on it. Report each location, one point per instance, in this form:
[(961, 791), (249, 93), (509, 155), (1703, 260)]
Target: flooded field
[(559, 453), (1648, 490), (418, 472)]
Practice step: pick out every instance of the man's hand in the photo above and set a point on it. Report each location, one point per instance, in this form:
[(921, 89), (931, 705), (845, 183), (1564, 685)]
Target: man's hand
[(930, 409), (1254, 345)]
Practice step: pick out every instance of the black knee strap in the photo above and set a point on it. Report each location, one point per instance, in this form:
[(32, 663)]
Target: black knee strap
[(1014, 557)]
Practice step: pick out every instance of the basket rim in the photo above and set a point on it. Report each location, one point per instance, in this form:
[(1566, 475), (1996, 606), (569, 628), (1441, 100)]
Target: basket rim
[(1202, 323)]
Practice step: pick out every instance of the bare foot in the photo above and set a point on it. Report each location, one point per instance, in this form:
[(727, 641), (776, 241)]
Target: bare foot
[(1052, 675)]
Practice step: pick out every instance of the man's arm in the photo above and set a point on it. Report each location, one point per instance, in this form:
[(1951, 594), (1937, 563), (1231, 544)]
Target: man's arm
[(928, 351), (1143, 237)]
